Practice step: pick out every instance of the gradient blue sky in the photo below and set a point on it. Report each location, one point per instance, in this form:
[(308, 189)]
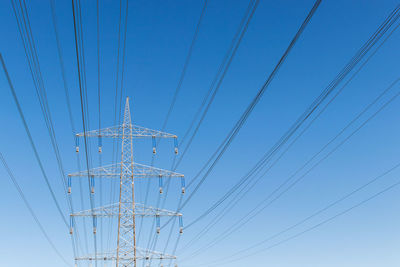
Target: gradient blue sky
[(158, 38)]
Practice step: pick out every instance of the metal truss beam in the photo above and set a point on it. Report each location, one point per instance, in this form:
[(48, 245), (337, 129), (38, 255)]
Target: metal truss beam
[(114, 171), (116, 132), (141, 254), (113, 210)]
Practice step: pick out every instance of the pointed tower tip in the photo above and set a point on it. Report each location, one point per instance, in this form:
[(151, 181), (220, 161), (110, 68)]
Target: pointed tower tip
[(127, 113), (127, 102)]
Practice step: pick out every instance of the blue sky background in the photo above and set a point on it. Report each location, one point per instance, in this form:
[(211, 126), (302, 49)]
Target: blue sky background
[(158, 38)]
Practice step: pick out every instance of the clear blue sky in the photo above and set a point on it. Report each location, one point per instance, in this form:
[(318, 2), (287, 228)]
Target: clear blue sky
[(158, 38)]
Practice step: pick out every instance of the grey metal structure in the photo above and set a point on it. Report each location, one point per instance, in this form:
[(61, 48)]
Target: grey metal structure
[(135, 169), (135, 132), (113, 210), (127, 253), (142, 254)]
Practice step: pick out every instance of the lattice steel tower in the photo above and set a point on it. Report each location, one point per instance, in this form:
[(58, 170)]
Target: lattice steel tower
[(126, 253)]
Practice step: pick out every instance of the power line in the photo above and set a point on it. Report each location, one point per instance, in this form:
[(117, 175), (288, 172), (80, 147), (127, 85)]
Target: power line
[(28, 206), (185, 65), (264, 204), (24, 27), (218, 79), (234, 131), (34, 67), (78, 33), (98, 65), (177, 90), (118, 110), (114, 147), (319, 212), (62, 66), (118, 56), (359, 55), (232, 134), (67, 95), (99, 114), (256, 172), (222, 70), (21, 114)]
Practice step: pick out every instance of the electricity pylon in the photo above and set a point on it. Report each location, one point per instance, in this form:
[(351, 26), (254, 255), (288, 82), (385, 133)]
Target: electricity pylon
[(126, 253)]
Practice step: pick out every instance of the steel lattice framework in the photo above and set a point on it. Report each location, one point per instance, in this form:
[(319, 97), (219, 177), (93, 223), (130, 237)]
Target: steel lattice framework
[(113, 210), (142, 254), (135, 131), (126, 253), (135, 169)]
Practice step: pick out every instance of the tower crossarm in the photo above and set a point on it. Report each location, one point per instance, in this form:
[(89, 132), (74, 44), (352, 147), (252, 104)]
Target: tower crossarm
[(141, 254), (114, 171), (117, 132), (113, 210)]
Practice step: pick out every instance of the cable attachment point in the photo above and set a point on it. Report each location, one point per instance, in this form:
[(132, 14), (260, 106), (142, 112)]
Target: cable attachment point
[(91, 184), (71, 225), (76, 144), (94, 225), (158, 224), (160, 182), (180, 225), (153, 139), (183, 185), (176, 145), (69, 184)]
